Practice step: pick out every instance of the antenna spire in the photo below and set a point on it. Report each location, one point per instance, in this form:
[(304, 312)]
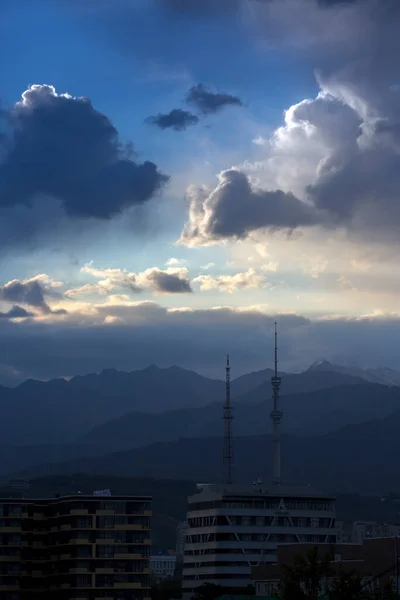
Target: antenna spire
[(276, 415), (228, 446)]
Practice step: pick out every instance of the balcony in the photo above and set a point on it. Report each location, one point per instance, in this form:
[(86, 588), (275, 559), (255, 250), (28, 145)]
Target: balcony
[(105, 513), (128, 586), (79, 511), (79, 541), (79, 571), (104, 571), (126, 527)]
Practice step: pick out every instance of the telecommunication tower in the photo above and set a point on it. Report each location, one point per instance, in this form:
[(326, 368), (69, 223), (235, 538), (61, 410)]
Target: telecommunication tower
[(276, 415), (228, 416)]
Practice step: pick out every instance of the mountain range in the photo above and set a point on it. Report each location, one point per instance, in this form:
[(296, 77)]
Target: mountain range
[(62, 424), (60, 411), (362, 458)]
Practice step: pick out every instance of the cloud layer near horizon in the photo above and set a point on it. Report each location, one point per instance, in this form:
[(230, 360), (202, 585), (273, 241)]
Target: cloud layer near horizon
[(145, 333)]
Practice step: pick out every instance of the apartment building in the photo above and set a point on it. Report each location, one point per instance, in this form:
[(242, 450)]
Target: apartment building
[(75, 547), (231, 529)]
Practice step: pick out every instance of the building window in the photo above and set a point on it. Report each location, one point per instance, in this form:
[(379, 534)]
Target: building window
[(105, 551), (83, 581), (14, 510)]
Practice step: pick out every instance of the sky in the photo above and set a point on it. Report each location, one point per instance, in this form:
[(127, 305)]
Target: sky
[(177, 175)]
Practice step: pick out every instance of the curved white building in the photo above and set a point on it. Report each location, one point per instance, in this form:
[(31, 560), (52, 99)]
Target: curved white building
[(231, 529)]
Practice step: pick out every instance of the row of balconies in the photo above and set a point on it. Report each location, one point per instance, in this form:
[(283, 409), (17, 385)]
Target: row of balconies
[(102, 571), (120, 556), (84, 512)]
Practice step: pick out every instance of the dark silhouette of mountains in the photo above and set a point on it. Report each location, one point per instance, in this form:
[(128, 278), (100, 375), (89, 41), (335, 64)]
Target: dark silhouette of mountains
[(362, 458), (384, 376), (60, 411), (307, 414), (143, 413)]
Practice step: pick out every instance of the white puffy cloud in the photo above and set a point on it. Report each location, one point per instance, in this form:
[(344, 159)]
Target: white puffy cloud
[(174, 280), (248, 280)]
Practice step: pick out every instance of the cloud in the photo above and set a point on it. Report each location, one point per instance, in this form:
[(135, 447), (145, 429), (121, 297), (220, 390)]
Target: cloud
[(208, 102), (60, 148), (16, 312), (176, 119), (175, 262), (235, 208), (248, 280), (134, 335), (31, 292), (170, 281), (335, 162), (174, 280)]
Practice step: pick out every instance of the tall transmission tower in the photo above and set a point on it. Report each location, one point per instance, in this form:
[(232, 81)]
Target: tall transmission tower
[(228, 416), (276, 415)]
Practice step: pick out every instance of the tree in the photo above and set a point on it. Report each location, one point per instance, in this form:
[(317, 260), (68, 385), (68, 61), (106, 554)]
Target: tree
[(345, 585), (313, 577), (208, 591), (305, 579)]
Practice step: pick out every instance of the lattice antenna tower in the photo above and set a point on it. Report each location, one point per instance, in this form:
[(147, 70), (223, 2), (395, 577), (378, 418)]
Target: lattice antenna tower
[(228, 417), (276, 415)]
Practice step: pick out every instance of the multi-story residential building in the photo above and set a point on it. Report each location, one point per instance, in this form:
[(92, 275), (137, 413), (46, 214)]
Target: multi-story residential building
[(75, 547), (230, 530), (163, 566)]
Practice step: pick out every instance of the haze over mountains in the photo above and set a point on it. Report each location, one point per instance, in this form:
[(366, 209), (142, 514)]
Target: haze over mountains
[(153, 416)]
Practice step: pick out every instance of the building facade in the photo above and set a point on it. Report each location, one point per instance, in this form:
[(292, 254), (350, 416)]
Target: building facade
[(181, 537), (75, 547), (230, 530), (163, 566)]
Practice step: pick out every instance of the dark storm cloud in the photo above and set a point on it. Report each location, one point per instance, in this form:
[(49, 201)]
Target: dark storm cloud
[(150, 334), (16, 312), (169, 283), (31, 292), (28, 292), (143, 334), (63, 148), (234, 209), (176, 119), (208, 102)]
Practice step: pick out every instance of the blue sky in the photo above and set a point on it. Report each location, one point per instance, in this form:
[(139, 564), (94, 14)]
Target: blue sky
[(283, 231)]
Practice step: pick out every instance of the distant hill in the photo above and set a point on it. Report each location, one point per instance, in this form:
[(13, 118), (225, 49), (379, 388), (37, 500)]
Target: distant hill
[(358, 458), (384, 376), (308, 413), (60, 411)]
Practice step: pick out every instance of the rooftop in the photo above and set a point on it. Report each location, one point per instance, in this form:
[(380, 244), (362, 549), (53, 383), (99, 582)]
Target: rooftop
[(214, 491)]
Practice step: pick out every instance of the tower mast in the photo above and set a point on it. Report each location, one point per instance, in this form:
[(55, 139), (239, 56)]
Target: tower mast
[(228, 447), (276, 415)]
